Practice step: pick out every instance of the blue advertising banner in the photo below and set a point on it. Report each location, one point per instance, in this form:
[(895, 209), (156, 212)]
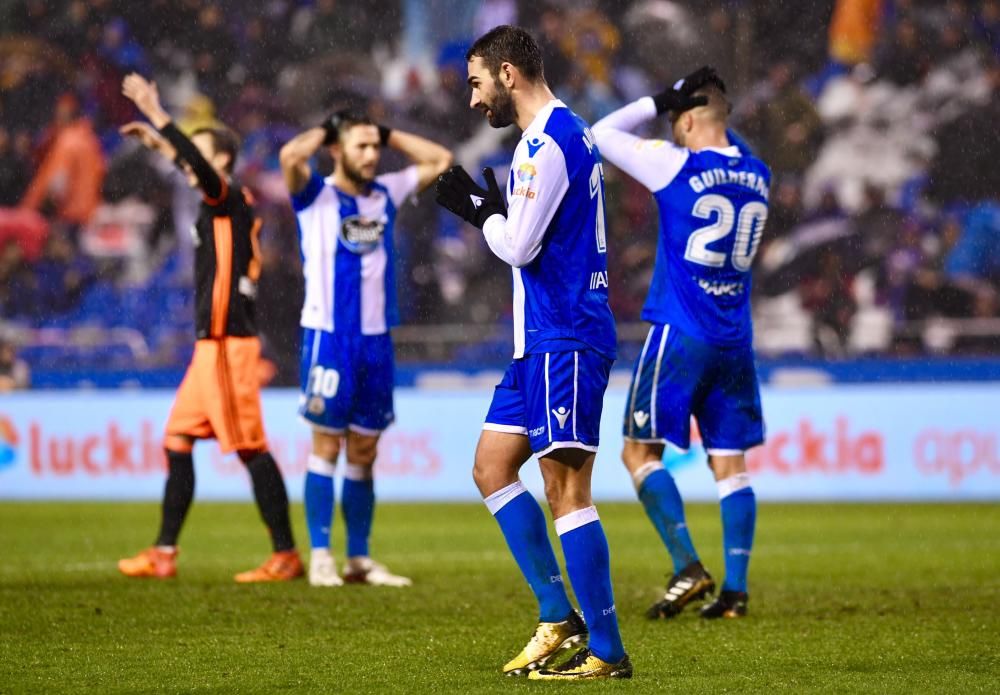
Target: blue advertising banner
[(902, 442)]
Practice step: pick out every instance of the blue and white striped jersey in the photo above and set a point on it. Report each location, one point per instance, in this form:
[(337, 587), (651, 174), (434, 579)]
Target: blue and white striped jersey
[(713, 207), (347, 253), (554, 238)]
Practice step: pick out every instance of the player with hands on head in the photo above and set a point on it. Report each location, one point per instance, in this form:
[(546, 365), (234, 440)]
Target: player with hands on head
[(220, 394), (551, 231), (346, 225), (698, 357)]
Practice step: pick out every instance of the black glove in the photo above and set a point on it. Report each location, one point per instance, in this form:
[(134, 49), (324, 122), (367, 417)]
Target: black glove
[(701, 77), (458, 192), (334, 121), (678, 98), (332, 126)]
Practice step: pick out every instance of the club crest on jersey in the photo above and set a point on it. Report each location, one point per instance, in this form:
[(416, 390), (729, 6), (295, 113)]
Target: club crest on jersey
[(361, 235), (534, 144)]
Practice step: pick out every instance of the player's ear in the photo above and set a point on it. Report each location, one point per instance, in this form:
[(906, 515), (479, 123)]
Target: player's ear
[(507, 71)]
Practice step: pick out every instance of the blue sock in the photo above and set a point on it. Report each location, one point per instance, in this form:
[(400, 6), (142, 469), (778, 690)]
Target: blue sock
[(523, 524), (319, 500), (739, 514), (589, 569), (659, 495), (357, 500)]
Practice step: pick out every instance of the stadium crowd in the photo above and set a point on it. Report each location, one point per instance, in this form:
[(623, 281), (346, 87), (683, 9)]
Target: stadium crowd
[(876, 116)]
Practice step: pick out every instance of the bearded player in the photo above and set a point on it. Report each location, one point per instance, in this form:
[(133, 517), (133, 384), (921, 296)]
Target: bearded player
[(550, 229), (346, 224)]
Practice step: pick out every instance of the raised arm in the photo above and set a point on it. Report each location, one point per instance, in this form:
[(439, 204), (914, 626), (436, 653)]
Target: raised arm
[(653, 163), (147, 99), (430, 158), (295, 155)]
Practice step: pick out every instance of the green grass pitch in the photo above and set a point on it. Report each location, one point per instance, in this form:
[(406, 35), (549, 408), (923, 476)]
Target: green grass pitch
[(844, 598)]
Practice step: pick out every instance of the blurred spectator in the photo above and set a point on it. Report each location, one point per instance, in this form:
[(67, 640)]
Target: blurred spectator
[(15, 375), (592, 42), (783, 120), (62, 275), (905, 59), (72, 167), (853, 30), (15, 168), (17, 283), (829, 296)]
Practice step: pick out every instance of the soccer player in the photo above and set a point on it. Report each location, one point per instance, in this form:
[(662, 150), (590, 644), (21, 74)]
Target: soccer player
[(551, 230), (220, 395), (698, 357), (346, 224)]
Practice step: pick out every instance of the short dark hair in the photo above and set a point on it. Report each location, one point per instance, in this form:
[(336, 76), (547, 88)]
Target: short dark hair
[(351, 119), (224, 140), (718, 103), (508, 44)]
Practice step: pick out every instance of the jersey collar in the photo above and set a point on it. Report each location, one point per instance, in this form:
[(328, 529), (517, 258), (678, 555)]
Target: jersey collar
[(731, 151), (542, 117)]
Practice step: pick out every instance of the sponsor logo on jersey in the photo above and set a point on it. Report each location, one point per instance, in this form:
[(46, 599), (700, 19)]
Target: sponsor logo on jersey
[(719, 289), (526, 172), (534, 144), (641, 418), (537, 431), (361, 235)]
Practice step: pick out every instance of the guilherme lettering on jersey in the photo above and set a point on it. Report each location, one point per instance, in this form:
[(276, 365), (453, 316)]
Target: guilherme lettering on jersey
[(718, 177)]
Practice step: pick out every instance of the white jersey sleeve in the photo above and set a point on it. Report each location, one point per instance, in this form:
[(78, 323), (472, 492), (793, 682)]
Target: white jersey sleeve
[(535, 188), (653, 163), (400, 184)]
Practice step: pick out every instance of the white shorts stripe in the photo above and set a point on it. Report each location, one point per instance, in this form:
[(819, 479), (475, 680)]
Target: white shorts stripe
[(565, 445), (656, 378), (638, 376), (576, 375), (506, 429), (548, 406), (499, 499), (574, 520)]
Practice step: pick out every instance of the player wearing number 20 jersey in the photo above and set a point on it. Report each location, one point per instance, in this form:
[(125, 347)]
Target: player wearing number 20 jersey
[(713, 205), (698, 357)]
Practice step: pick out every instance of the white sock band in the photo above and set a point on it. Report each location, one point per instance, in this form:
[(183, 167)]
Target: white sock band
[(733, 483), (358, 472), (499, 499), (321, 466), (574, 520), (644, 471)]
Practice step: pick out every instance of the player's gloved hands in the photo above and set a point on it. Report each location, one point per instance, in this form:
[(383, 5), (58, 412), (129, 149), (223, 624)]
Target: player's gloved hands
[(703, 76), (678, 98), (332, 125), (335, 120), (458, 192)]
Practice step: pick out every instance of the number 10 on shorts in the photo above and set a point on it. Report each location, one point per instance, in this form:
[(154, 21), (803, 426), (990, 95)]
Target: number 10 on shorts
[(324, 382)]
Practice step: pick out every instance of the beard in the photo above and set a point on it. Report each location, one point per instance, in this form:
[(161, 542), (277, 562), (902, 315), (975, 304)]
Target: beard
[(356, 176), (501, 112)]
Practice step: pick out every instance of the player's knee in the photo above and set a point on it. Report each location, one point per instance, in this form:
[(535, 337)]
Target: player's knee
[(178, 444), (326, 446), (363, 451)]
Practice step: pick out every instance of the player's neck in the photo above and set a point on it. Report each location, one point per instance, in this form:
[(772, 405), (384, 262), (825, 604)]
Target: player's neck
[(347, 184), (530, 101), (714, 138)]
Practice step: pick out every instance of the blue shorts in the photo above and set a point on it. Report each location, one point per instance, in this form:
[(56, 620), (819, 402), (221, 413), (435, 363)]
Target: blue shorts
[(678, 376), (347, 382), (555, 398)]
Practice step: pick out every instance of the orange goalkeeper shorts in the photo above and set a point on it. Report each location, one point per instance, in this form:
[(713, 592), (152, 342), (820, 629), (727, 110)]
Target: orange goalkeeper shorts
[(220, 396)]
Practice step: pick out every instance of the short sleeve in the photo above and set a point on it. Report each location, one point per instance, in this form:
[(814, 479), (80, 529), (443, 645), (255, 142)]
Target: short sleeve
[(401, 184), (306, 197)]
